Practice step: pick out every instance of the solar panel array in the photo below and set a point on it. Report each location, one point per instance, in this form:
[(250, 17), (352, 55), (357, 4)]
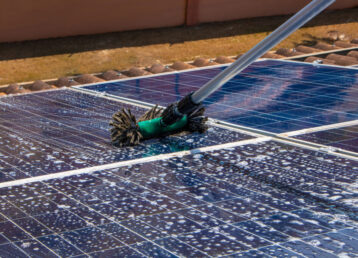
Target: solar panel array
[(258, 197)]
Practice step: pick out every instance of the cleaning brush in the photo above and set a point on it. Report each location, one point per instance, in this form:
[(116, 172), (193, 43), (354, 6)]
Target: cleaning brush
[(188, 113), (126, 131)]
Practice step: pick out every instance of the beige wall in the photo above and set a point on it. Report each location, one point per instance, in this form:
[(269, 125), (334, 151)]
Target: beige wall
[(35, 19), (219, 10)]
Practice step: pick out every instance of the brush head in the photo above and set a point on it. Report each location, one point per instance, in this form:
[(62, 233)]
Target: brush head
[(124, 131), (127, 131)]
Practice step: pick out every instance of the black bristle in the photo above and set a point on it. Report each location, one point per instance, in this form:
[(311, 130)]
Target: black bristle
[(197, 121), (151, 114), (125, 131)]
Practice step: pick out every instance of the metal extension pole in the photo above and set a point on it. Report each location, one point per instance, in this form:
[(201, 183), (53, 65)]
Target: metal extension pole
[(295, 22)]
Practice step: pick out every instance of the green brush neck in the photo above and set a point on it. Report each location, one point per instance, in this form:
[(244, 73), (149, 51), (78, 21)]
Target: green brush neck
[(153, 128)]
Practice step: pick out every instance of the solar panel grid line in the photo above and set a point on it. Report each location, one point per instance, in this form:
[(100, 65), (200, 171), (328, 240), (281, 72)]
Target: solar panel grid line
[(75, 129), (17, 248), (26, 231), (281, 245), (99, 108), (294, 104), (325, 148), (54, 233), (320, 83), (309, 239), (55, 146), (79, 132), (127, 162), (341, 138), (147, 224), (61, 104), (46, 226), (243, 128), (184, 157)]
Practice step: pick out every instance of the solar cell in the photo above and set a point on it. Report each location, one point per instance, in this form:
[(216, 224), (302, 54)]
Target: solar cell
[(272, 95), (264, 199), (345, 138)]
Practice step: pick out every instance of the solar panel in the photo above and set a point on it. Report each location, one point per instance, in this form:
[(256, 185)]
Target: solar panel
[(65, 191), (272, 95), (207, 204)]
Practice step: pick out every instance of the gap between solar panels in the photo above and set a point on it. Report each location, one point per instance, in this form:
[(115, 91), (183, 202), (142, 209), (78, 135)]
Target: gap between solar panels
[(88, 170), (302, 137)]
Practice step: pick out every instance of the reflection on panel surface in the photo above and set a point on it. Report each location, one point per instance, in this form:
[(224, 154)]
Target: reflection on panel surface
[(276, 96)]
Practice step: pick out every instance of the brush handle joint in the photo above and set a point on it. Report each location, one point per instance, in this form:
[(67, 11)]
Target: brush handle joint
[(175, 112)]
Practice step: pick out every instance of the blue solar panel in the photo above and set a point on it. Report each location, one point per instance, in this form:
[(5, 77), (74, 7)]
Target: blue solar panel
[(272, 95), (264, 199), (63, 130)]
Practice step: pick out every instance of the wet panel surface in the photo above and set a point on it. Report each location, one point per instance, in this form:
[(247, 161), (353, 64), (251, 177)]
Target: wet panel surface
[(243, 210), (56, 131)]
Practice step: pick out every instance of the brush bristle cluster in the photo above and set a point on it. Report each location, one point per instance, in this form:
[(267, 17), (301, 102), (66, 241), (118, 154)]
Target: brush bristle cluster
[(126, 132), (197, 121)]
